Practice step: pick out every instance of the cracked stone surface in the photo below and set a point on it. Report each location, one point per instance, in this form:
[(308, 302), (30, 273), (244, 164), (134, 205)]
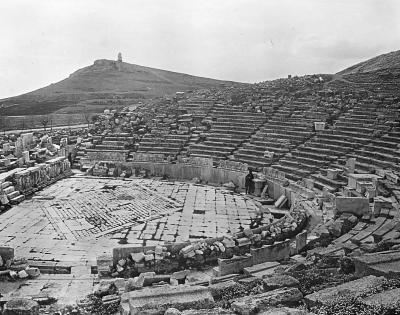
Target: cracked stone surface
[(78, 218)]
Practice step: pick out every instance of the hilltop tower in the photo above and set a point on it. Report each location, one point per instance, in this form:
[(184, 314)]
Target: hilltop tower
[(119, 57)]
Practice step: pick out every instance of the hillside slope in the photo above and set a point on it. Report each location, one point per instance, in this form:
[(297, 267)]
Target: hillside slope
[(380, 74), (387, 61), (103, 81)]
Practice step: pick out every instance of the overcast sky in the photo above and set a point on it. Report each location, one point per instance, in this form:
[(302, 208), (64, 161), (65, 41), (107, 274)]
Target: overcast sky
[(43, 41)]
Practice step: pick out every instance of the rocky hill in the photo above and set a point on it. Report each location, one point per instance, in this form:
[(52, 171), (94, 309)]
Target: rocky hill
[(389, 62), (102, 83), (379, 74)]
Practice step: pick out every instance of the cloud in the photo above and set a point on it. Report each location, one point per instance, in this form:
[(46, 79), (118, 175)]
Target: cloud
[(43, 41)]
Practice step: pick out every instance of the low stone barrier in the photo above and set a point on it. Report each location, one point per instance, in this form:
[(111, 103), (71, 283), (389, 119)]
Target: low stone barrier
[(274, 252), (33, 178), (385, 263), (232, 253)]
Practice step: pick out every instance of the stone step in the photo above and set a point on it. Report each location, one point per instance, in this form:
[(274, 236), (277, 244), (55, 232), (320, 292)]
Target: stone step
[(391, 138), (163, 140), (249, 152), (366, 164), (311, 148), (367, 152), (362, 235), (353, 288), (384, 229), (113, 143), (291, 173), (17, 200), (381, 263), (258, 164), (385, 299), (5, 184), (355, 130), (353, 136), (380, 146), (109, 147), (159, 151), (261, 268), (286, 131), (297, 165), (236, 127), (13, 195), (9, 190), (328, 182), (225, 138), (213, 147), (292, 138), (333, 141), (313, 158)]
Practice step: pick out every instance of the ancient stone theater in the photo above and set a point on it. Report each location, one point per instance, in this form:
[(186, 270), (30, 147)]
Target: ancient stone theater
[(280, 197)]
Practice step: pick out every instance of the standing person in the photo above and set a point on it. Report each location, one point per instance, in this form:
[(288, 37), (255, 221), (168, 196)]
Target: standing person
[(249, 184), (70, 158)]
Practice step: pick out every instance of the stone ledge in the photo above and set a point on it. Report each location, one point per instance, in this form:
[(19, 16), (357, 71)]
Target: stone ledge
[(380, 264), (353, 288), (168, 296)]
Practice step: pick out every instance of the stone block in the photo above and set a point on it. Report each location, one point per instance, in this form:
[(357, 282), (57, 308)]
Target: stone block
[(22, 274), (309, 183), (279, 281), (284, 311), (301, 241), (336, 228), (124, 308), (228, 242), (172, 311), (111, 299), (149, 257), (122, 252), (351, 165), (386, 298), (353, 288), (280, 201), (150, 280), (253, 304), (25, 156), (355, 205), (244, 241), (234, 265), (137, 257), (319, 125), (213, 311), (274, 252), (261, 267), (164, 297), (381, 202), (134, 284), (20, 306), (380, 264), (180, 275), (104, 262), (332, 173)]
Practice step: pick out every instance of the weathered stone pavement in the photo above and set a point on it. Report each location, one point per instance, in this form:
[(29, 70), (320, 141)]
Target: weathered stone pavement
[(78, 218)]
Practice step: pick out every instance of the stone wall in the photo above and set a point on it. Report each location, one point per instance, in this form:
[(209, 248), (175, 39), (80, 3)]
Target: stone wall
[(185, 171), (30, 179), (277, 185)]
